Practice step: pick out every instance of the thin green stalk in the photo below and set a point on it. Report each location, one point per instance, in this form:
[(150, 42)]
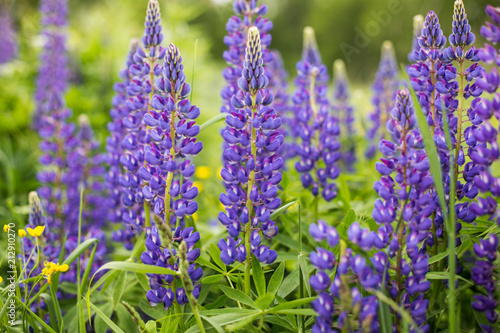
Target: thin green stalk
[(301, 320), (192, 303), (248, 225), (81, 320)]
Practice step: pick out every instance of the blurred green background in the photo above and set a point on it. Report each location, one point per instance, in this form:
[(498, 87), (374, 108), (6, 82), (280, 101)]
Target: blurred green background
[(100, 31)]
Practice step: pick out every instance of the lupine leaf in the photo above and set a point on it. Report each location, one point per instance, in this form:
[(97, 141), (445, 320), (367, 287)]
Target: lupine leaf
[(237, 295), (264, 301), (291, 304), (290, 283), (215, 254), (119, 288), (258, 276), (106, 319), (211, 279), (276, 279), (205, 262), (136, 267), (305, 272)]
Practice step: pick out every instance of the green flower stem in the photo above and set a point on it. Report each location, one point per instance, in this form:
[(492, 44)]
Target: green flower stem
[(248, 225)]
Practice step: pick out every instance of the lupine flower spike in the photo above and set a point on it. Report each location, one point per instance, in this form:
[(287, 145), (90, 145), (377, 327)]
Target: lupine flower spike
[(166, 171), (251, 171), (314, 129), (344, 112), (384, 90), (8, 44)]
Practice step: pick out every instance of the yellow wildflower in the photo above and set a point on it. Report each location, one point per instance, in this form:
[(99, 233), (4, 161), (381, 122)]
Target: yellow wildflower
[(6, 228), (37, 232), (22, 233), (1, 279), (199, 185), (203, 172), (52, 268)]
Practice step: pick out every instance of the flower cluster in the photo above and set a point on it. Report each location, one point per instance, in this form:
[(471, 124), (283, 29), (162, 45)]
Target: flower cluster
[(115, 150), (340, 304), (482, 275), (384, 92), (140, 91), (314, 129), (166, 171), (344, 112), (8, 44), (251, 171)]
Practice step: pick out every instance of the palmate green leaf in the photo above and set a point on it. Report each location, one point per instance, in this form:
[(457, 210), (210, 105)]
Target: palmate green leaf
[(286, 255), (282, 209), (237, 295), (280, 321), (211, 279), (290, 283), (291, 305), (106, 319), (119, 288), (204, 262), (136, 267), (143, 280), (215, 254), (216, 326), (264, 301), (258, 277), (276, 279), (438, 257)]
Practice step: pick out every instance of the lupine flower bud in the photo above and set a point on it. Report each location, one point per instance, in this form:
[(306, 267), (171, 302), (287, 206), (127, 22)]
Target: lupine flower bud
[(418, 25)]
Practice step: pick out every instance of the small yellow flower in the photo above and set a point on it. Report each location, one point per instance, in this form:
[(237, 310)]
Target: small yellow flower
[(6, 228), (22, 233), (199, 185), (52, 268), (62, 268), (219, 170), (37, 232), (1, 279), (203, 172)]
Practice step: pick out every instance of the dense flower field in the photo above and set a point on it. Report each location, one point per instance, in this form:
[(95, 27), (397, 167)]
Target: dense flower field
[(117, 238)]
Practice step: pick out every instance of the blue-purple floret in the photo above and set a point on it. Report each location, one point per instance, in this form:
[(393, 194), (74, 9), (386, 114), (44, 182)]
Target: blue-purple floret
[(384, 93), (251, 160), (315, 131), (167, 171)]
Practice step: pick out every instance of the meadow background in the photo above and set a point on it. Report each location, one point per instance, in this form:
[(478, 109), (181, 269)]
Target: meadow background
[(98, 40)]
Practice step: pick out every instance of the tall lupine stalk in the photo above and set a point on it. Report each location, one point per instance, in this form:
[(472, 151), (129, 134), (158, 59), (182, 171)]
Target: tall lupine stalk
[(167, 170), (344, 112), (314, 128), (486, 152), (423, 79), (114, 149), (251, 171), (418, 24), (8, 44), (51, 120), (140, 91), (404, 189), (384, 92), (53, 72)]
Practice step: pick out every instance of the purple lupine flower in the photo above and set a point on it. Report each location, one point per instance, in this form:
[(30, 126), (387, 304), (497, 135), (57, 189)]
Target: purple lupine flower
[(418, 24), (140, 91), (486, 150), (456, 85), (59, 182), (53, 72), (118, 131), (251, 171), (340, 304), (8, 44), (166, 172), (344, 112), (248, 14), (314, 129), (384, 92), (483, 275), (404, 191)]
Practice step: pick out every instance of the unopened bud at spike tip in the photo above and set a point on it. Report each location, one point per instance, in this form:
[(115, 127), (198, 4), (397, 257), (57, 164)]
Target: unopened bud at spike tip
[(310, 51), (339, 70), (418, 24)]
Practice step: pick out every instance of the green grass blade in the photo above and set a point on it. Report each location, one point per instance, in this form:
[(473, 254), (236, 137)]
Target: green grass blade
[(106, 319), (210, 122)]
